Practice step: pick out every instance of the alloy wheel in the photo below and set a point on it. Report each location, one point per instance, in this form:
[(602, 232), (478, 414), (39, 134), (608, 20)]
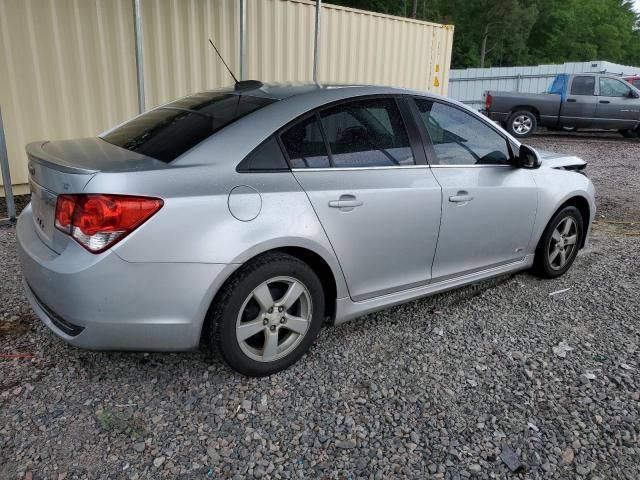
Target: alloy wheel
[(522, 124), (563, 243), (274, 319)]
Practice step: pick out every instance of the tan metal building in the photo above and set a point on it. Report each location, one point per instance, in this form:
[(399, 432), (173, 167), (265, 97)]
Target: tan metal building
[(68, 67)]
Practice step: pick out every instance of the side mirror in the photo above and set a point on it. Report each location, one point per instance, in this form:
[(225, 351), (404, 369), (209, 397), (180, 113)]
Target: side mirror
[(528, 157)]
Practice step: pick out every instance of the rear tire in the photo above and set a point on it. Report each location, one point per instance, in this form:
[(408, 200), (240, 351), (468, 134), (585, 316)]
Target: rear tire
[(267, 315), (560, 242), (522, 124), (628, 133)]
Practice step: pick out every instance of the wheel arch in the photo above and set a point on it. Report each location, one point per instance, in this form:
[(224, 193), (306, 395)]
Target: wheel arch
[(582, 204), (332, 281), (526, 108)]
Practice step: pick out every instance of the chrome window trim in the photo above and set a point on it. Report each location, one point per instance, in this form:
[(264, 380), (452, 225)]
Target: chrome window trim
[(342, 169), (474, 166)]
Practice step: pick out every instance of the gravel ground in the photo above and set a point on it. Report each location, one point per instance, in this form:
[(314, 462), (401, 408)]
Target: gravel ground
[(443, 387)]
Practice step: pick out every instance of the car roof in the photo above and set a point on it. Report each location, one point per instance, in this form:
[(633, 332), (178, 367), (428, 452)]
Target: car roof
[(281, 91)]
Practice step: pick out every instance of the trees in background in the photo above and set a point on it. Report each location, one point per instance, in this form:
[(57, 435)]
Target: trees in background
[(526, 32)]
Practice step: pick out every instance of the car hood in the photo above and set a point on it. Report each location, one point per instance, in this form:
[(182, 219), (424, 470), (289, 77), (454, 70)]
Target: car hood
[(560, 160)]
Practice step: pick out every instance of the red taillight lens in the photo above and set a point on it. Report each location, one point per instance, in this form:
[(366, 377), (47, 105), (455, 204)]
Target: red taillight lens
[(488, 101), (99, 221)]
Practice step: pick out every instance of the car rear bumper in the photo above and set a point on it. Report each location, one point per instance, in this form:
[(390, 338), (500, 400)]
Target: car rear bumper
[(102, 302)]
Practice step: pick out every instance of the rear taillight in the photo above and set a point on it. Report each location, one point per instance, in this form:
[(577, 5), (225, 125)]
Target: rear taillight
[(488, 101), (98, 221)]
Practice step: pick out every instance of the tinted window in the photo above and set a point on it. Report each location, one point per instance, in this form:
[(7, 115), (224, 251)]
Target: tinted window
[(305, 146), (583, 85), (167, 132), (267, 157), (610, 87), (367, 133), (636, 83), (461, 139)]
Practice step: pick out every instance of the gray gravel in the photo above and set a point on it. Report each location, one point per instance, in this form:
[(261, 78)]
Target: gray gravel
[(448, 387)]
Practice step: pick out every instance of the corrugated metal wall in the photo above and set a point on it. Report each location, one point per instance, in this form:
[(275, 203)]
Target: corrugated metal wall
[(68, 66), (470, 84), (67, 69)]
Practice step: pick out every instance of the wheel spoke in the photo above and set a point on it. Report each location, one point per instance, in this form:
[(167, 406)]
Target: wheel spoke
[(270, 348), (563, 257), (263, 296), (571, 240), (553, 255), (556, 235), (293, 294), (296, 324), (249, 329), (568, 223)]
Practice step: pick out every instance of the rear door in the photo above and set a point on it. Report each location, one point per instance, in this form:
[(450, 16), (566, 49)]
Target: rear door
[(579, 106), (366, 176), (616, 108), (488, 206)]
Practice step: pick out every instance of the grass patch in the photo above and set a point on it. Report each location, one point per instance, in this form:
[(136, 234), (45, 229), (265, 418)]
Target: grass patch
[(121, 423)]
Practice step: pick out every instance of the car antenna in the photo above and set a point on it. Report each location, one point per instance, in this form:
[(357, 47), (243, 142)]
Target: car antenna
[(239, 85), (225, 63)]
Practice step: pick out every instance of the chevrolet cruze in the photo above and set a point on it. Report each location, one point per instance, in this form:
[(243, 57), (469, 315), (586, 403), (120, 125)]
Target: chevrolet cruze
[(244, 218)]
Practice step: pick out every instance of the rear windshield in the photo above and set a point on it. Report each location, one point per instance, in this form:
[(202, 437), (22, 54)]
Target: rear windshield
[(167, 132)]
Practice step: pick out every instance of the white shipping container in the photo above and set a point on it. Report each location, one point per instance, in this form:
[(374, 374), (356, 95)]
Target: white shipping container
[(69, 68)]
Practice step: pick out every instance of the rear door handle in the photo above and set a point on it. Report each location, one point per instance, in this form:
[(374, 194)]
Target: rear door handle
[(571, 100), (346, 203), (461, 197), (605, 101)]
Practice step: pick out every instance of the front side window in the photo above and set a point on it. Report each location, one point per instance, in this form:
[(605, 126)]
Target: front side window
[(610, 87), (461, 139), (583, 85), (367, 133), (305, 146), (167, 132)]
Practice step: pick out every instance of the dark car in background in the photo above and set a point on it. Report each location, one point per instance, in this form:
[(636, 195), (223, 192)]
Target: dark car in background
[(573, 101)]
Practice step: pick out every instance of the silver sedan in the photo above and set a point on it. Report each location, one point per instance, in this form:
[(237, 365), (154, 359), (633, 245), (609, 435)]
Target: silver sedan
[(245, 218)]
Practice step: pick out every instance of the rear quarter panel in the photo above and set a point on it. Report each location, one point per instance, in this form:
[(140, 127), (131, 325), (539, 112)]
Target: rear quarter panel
[(195, 224), (546, 104)]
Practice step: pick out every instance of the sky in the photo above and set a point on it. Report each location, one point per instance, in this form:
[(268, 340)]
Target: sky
[(637, 5)]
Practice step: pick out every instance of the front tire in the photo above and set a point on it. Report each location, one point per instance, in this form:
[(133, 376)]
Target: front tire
[(560, 243), (522, 124), (267, 315)]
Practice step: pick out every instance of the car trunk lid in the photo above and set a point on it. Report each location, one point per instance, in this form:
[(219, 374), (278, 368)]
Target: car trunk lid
[(67, 166)]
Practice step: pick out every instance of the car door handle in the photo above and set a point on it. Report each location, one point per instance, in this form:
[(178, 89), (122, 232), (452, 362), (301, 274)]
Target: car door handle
[(461, 197), (571, 100), (346, 202), (605, 101)]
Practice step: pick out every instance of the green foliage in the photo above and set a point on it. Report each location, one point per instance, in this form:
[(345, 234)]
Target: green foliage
[(129, 425), (527, 32)]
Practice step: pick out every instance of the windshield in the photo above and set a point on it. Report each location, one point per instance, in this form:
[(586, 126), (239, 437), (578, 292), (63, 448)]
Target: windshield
[(167, 132)]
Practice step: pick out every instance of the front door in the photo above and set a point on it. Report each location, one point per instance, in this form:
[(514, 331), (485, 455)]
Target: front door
[(616, 108), (379, 207), (488, 206)]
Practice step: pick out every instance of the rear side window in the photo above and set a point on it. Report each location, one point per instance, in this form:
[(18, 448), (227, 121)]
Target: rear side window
[(367, 133), (583, 85), (267, 157), (305, 145), (636, 83), (167, 132)]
